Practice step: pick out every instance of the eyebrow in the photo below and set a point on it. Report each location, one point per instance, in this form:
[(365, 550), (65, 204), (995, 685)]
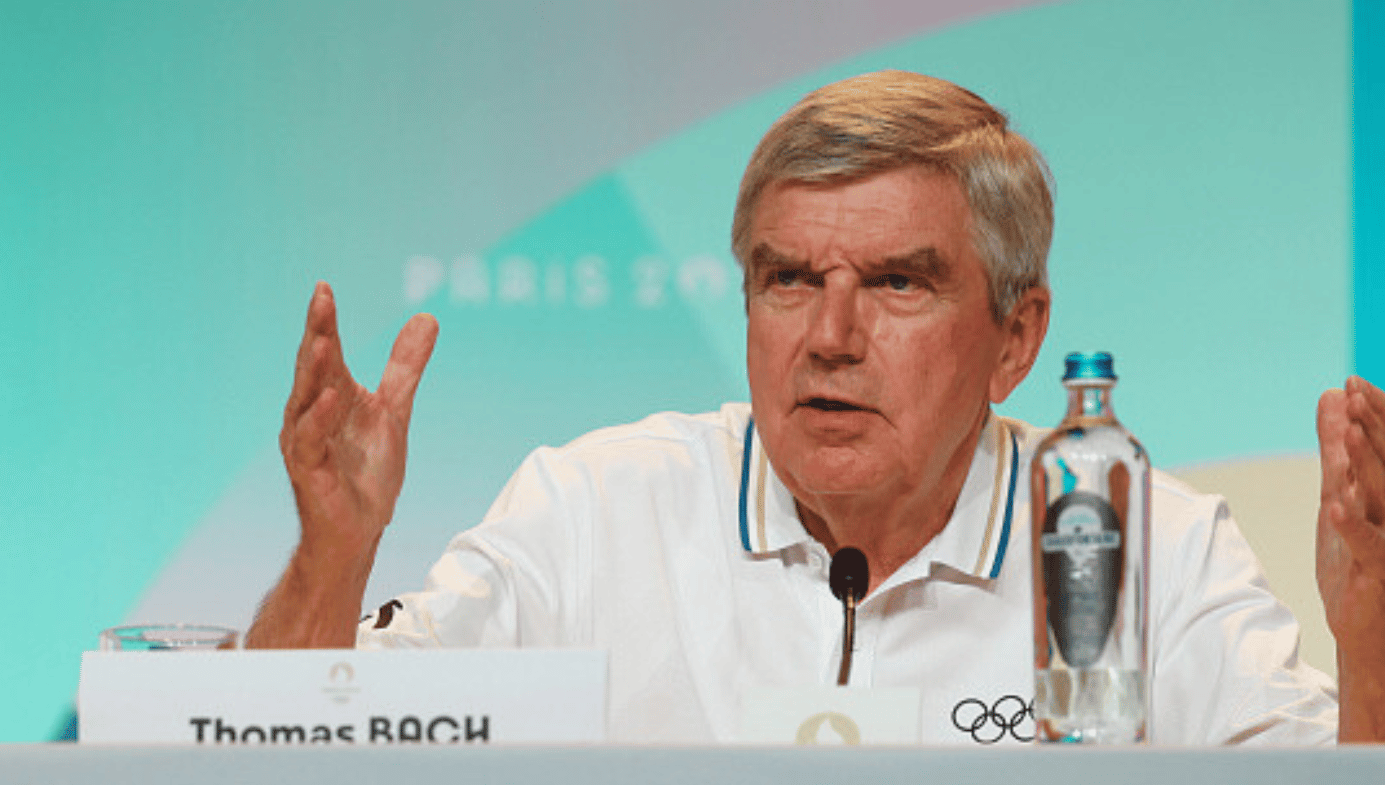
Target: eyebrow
[(764, 256), (924, 263)]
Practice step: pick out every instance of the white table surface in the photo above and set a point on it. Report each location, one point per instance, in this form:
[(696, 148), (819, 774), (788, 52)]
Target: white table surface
[(613, 765)]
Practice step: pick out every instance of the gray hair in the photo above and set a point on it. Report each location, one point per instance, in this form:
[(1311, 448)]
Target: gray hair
[(883, 121)]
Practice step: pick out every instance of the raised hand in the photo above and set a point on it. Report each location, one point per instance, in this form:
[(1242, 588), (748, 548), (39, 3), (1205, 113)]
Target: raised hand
[(345, 448), (1351, 550), (343, 445)]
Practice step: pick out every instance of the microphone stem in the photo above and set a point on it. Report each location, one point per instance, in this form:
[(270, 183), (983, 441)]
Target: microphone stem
[(848, 639)]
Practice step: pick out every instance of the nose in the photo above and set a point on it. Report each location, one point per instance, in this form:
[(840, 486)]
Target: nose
[(837, 332)]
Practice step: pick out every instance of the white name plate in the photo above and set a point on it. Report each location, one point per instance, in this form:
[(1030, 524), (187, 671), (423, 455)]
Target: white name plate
[(343, 696), (831, 715)]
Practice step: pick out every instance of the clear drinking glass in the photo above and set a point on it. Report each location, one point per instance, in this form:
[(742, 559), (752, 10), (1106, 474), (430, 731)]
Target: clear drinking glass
[(169, 637)]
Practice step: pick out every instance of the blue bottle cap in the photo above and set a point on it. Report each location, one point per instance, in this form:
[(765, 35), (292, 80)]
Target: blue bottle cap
[(1089, 365)]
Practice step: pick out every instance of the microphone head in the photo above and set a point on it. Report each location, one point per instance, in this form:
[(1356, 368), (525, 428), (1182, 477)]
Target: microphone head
[(849, 573)]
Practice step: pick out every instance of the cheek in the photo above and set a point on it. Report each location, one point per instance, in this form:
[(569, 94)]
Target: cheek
[(761, 355), (769, 342), (947, 361), (754, 347)]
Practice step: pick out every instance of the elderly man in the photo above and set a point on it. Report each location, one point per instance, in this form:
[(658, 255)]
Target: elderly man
[(893, 233)]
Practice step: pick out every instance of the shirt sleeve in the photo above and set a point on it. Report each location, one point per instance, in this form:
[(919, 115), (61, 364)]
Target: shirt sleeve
[(1225, 650), (514, 580)]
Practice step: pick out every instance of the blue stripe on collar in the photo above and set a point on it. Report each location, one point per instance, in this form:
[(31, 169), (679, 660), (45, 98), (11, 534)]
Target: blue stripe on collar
[(1009, 507), (745, 485)]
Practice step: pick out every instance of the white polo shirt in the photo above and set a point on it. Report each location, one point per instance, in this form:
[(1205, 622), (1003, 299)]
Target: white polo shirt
[(672, 544)]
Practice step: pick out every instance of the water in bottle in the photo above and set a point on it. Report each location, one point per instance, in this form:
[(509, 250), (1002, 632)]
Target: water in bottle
[(1089, 486)]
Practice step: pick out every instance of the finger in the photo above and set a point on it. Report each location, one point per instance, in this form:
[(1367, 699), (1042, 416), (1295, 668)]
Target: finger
[(308, 386), (307, 447), (1365, 542), (1370, 419), (309, 377), (321, 318), (319, 362), (1332, 425), (407, 360), (306, 383), (1368, 473), (1373, 394)]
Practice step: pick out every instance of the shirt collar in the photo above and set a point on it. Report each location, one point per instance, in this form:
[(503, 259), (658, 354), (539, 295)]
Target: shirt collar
[(973, 542)]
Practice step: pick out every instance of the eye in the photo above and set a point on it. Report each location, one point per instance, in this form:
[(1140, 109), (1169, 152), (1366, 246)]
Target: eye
[(786, 277), (898, 282)]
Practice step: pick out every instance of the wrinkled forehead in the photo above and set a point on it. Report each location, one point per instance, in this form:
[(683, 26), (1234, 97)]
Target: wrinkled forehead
[(836, 179), (887, 214)]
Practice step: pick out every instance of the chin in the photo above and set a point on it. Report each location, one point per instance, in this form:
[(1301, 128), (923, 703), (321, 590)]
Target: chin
[(836, 477)]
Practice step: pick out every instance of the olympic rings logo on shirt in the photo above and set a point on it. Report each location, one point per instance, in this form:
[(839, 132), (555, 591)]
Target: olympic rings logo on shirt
[(990, 724)]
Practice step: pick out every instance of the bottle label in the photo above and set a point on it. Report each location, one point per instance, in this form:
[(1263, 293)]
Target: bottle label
[(1082, 562), (1080, 535)]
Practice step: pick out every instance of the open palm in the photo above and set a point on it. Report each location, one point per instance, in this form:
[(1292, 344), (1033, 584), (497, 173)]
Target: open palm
[(345, 446)]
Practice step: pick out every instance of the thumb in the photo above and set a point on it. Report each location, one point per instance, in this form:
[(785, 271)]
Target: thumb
[(1332, 428), (407, 360)]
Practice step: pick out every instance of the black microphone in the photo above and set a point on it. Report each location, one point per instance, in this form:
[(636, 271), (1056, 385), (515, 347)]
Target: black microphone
[(849, 578)]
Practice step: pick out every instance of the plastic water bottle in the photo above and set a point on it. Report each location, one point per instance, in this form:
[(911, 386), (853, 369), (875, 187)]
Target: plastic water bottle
[(1090, 499)]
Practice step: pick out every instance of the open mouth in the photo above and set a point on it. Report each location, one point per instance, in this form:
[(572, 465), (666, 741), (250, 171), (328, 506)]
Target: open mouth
[(832, 405)]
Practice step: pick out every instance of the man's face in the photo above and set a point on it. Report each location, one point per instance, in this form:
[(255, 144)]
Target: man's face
[(871, 345)]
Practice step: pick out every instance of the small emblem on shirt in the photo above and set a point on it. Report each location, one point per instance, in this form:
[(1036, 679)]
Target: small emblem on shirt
[(385, 615), (1008, 715)]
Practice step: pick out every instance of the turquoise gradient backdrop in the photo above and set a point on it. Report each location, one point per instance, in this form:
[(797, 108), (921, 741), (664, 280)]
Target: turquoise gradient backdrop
[(555, 183)]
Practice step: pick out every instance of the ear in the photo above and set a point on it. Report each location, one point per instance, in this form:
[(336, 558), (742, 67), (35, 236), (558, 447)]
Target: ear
[(1022, 333)]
